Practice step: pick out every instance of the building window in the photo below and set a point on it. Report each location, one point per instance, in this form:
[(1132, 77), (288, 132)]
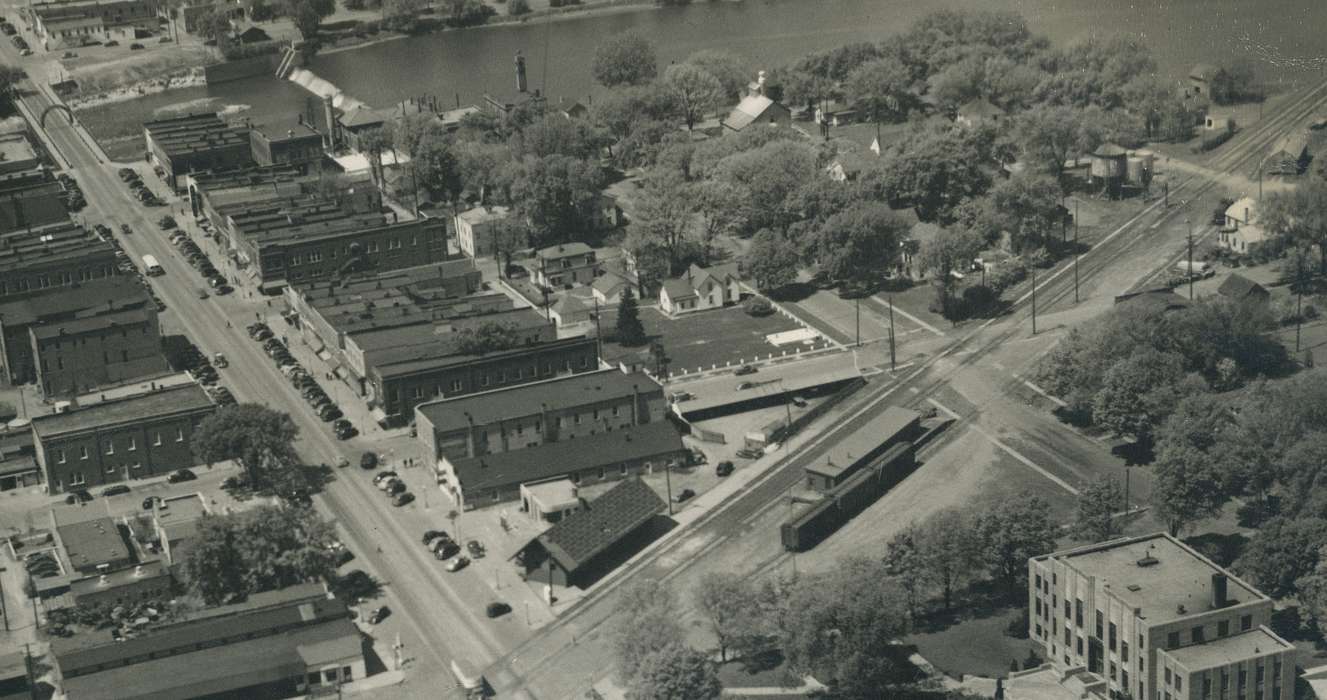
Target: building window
[(1124, 650), (1099, 630), (136, 465), (483, 380), (156, 441), (133, 444), (419, 392), (585, 362), (60, 456), (1173, 640), (1124, 678), (624, 470), (1197, 634), (1243, 678), (1225, 680), (1245, 623), (1223, 628), (456, 385), (179, 435), (1167, 675), (1111, 630), (83, 452), (110, 447), (77, 479), (315, 256), (603, 473)]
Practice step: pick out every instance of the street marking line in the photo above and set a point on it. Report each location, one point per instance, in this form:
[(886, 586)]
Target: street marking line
[(1011, 451)]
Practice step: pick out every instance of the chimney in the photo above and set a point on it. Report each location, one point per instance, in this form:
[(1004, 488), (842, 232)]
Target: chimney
[(330, 116), (1246, 216), (760, 82), (1219, 581), (520, 73), (138, 571)]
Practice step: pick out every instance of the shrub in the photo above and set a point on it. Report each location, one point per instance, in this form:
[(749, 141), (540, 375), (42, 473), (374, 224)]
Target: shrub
[(978, 299), (1007, 273), (759, 307), (516, 8), (1214, 139)]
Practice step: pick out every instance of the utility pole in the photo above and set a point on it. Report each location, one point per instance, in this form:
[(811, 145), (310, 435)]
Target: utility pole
[(1189, 222), (1299, 298), (1076, 250), (858, 306), (668, 479), (598, 329), (892, 361), (1034, 299)]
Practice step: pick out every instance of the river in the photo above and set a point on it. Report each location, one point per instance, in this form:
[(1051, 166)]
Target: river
[(1284, 37)]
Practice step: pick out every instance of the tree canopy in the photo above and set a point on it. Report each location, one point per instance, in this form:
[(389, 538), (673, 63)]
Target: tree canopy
[(626, 58), (261, 438), (260, 549)]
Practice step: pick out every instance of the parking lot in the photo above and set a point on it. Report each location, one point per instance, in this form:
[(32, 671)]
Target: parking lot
[(704, 339)]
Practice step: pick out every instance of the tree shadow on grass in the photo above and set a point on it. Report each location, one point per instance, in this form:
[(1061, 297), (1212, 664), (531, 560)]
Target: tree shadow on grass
[(1135, 453), (794, 292), (1223, 549), (978, 601)]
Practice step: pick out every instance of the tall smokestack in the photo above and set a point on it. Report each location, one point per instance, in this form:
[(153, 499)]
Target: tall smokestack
[(520, 73)]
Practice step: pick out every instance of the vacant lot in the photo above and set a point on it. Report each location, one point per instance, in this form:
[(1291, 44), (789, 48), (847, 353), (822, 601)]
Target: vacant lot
[(703, 338)]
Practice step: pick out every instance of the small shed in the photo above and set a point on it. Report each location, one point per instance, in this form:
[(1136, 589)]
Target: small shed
[(251, 34), (1240, 288)]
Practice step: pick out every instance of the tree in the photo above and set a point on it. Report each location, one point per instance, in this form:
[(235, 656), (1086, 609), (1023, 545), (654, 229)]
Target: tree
[(675, 671), (467, 13), (905, 564), (1186, 487), (644, 621), (1281, 552), (952, 248), (214, 26), (694, 91), (839, 626), (770, 176), (771, 261), (1048, 135), (555, 193), (1097, 506), (663, 215), (1011, 532), (949, 550), (626, 58), (260, 438), (934, 171), (721, 209), (307, 20), (727, 67), (7, 411), (730, 603), (515, 8), (374, 142), (487, 337), (213, 566), (1312, 589), (881, 90), (1028, 208), (861, 244), (509, 236), (1300, 217), (402, 9), (1138, 394), (630, 331)]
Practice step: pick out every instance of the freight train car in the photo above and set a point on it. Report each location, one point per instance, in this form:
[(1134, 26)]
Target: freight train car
[(806, 529)]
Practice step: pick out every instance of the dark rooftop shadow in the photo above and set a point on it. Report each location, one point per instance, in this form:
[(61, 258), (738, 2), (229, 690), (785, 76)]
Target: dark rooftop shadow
[(1223, 549), (623, 550)]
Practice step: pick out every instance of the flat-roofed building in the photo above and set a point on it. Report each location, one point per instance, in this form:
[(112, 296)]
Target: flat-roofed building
[(284, 141), (18, 459), (57, 255), (515, 418), (102, 568), (477, 231), (195, 142), (119, 439), (100, 347), (844, 459), (475, 482), (293, 641), (1151, 617), (15, 675), (88, 299), (72, 23), (31, 202), (17, 154), (175, 521)]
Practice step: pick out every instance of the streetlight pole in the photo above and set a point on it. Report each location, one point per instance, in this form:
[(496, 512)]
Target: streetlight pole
[(1034, 299), (1076, 250), (891, 334), (858, 307), (1189, 222), (668, 479)]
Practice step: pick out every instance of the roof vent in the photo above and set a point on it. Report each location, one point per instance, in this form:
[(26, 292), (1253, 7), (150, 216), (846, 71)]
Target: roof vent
[(1147, 561)]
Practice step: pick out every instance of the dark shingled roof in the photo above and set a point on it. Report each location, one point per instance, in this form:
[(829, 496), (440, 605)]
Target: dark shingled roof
[(527, 399), (582, 535), (607, 449), (1239, 287)]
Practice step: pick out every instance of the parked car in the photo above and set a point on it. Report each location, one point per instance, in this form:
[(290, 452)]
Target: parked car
[(750, 453), (457, 564), (219, 359), (345, 431), (680, 396), (402, 498), (115, 490), (394, 487), (329, 412), (150, 502), (799, 402), (378, 615), (112, 42), (476, 549), (723, 468), (369, 460), (430, 535), (445, 549), (181, 475), (685, 495), (496, 609), (745, 369), (224, 289), (387, 482), (135, 46), (381, 476), (167, 222)]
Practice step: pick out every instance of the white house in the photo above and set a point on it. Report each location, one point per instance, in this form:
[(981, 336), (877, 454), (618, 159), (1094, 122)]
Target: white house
[(1242, 229), (475, 229), (701, 288)]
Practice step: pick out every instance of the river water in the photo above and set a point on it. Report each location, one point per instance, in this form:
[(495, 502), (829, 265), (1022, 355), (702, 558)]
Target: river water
[(1284, 37)]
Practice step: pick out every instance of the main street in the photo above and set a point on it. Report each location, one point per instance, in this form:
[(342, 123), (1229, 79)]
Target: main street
[(439, 626)]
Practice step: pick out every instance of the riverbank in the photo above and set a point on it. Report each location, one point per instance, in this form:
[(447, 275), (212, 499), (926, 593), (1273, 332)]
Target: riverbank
[(192, 78)]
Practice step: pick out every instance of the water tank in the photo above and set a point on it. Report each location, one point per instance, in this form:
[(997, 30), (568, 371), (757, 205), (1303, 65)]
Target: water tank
[(1134, 169), (1108, 161)]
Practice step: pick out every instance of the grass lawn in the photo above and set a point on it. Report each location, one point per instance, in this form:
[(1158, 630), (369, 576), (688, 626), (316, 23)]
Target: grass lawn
[(703, 338), (976, 646), (766, 671)]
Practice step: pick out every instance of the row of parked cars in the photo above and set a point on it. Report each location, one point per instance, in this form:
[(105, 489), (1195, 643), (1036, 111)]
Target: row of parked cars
[(83, 496), (74, 199), (139, 189), (125, 264), (392, 485), (19, 42), (198, 259), (299, 377)]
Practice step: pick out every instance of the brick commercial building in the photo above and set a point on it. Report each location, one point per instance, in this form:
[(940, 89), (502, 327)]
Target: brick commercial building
[(284, 643), (475, 482), (547, 411), (119, 439), (72, 23), (59, 255), (98, 347), (86, 300), (102, 567), (18, 460), (279, 142), (195, 142), (287, 228), (1151, 617)]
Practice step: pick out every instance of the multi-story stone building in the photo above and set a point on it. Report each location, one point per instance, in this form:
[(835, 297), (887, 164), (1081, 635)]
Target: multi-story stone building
[(36, 259), (121, 438), (61, 305), (194, 143), (1150, 618), (516, 418)]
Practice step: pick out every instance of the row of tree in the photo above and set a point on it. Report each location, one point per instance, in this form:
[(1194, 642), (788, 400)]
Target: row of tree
[(841, 625), (261, 549)]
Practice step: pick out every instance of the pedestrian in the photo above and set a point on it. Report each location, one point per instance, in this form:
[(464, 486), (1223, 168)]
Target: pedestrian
[(228, 324)]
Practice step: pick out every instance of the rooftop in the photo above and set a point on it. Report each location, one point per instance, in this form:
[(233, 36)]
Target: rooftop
[(480, 215), (163, 402), (1244, 210), (25, 249), (1292, 144), (15, 148), (565, 250), (861, 443), (120, 577), (279, 129), (529, 399), (93, 296), (93, 543), (193, 133), (1225, 651), (555, 459), (1156, 574), (980, 108), (747, 111), (577, 538), (94, 324), (554, 494), (1237, 286), (180, 513)]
